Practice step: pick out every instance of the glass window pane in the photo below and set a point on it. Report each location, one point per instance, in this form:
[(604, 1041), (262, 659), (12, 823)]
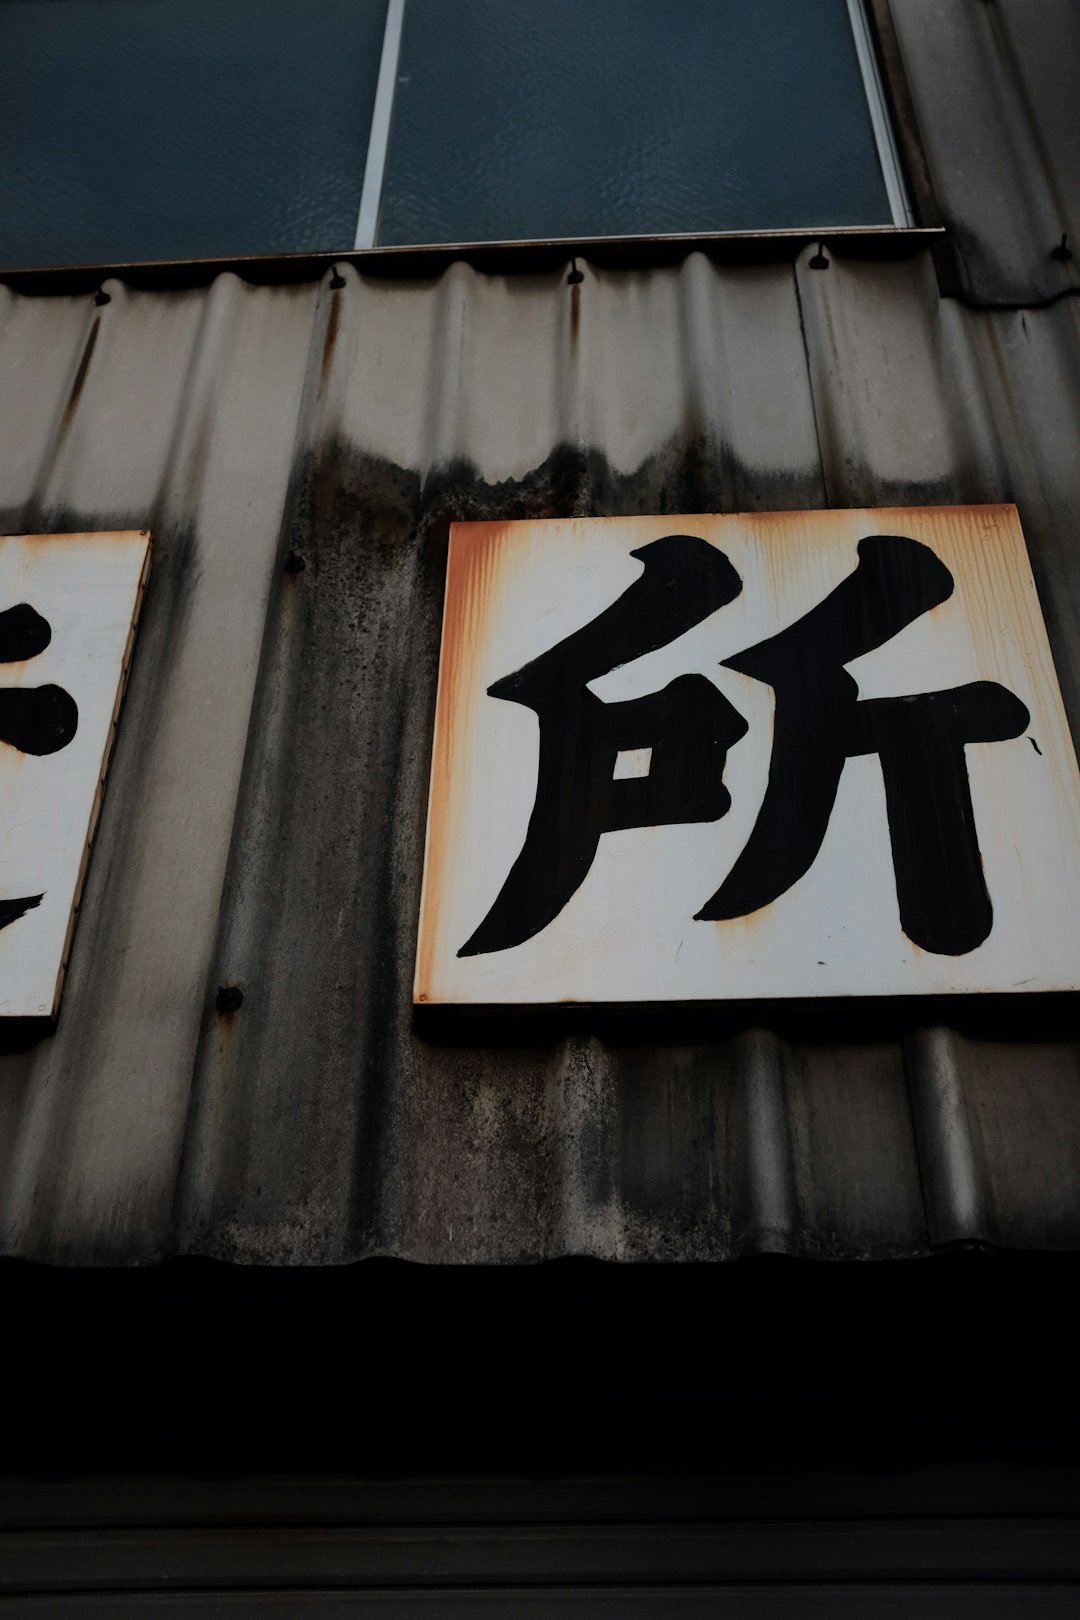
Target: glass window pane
[(537, 118), (157, 129)]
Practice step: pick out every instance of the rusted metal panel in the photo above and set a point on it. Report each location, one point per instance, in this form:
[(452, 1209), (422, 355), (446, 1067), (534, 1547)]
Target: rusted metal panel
[(994, 87), (264, 824), (545, 883), (183, 423), (67, 626)]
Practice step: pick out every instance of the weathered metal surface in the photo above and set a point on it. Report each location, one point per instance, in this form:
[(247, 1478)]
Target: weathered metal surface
[(264, 824), (928, 867), (69, 604), (151, 420), (994, 89)]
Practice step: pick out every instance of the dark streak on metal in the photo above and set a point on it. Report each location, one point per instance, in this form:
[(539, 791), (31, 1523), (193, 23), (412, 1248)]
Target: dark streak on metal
[(333, 322), (905, 119), (826, 497), (79, 382)]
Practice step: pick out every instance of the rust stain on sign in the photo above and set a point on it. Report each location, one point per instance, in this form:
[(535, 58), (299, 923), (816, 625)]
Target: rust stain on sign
[(768, 754), (472, 566)]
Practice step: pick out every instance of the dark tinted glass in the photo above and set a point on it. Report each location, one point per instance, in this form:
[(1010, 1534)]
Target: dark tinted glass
[(535, 118), (156, 129)]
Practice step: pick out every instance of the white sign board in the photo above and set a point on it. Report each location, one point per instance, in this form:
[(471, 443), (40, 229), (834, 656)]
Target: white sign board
[(68, 608), (692, 759)]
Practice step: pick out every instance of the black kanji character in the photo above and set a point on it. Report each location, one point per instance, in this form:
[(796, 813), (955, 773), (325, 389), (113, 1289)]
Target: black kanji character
[(819, 724), (689, 726)]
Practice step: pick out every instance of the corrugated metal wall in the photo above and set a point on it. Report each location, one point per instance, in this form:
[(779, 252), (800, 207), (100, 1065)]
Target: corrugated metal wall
[(264, 819)]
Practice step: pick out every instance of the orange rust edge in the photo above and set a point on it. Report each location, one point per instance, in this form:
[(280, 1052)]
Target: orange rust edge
[(471, 570), (80, 534), (472, 574)]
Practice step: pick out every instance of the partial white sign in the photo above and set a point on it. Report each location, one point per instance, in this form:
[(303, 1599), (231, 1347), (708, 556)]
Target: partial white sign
[(68, 608), (767, 755)]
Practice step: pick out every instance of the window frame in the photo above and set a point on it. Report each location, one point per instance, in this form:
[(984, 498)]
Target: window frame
[(884, 137), (882, 59), (382, 117)]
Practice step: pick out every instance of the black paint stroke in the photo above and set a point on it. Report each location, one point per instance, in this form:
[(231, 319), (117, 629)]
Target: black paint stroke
[(34, 720), (12, 910), (23, 634), (945, 905), (820, 723), (40, 719), (689, 726), (37, 719)]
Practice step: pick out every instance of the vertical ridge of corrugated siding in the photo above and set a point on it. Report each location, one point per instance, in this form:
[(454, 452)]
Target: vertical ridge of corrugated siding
[(994, 92), (263, 825)]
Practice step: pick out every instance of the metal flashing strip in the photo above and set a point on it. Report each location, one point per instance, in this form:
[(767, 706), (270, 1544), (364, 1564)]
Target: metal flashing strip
[(425, 260), (367, 222), (888, 156)]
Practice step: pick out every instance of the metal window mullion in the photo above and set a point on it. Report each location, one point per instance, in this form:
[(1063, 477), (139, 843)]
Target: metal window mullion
[(888, 156), (367, 222)]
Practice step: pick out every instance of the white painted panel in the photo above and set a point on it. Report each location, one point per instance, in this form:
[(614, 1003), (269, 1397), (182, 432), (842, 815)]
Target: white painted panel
[(628, 933), (84, 591)]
